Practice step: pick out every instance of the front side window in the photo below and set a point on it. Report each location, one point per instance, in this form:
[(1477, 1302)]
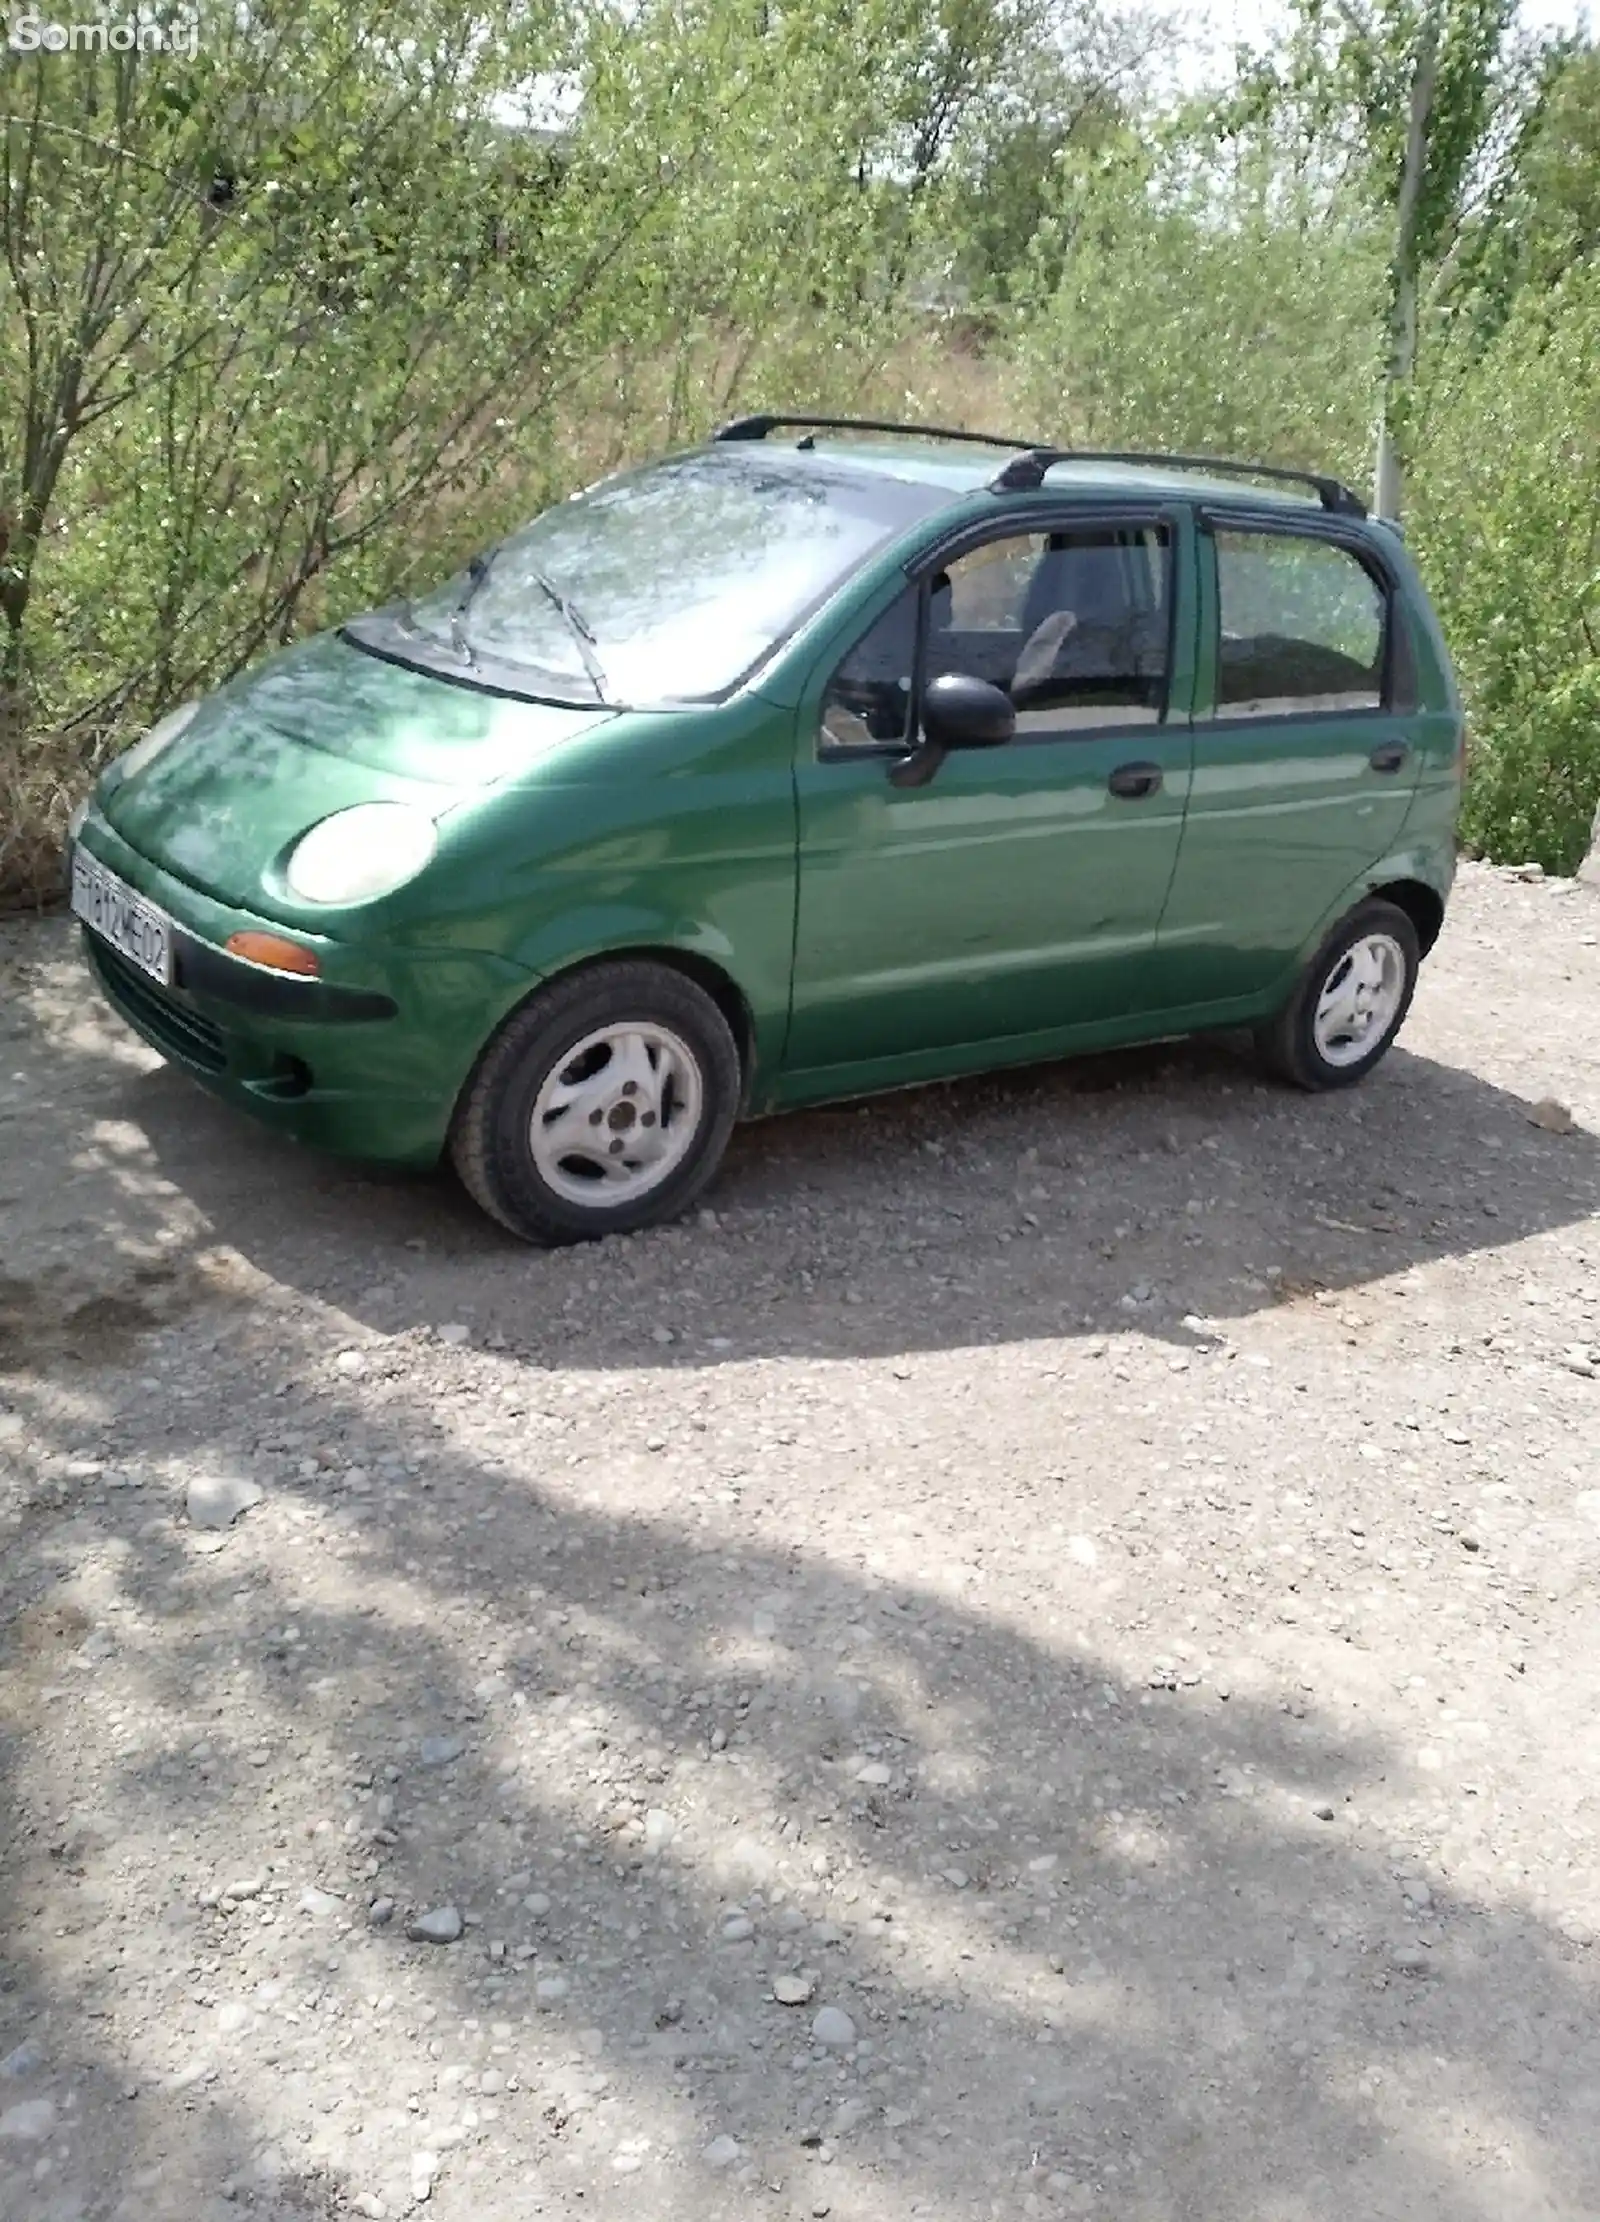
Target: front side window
[(1301, 627), (1072, 625)]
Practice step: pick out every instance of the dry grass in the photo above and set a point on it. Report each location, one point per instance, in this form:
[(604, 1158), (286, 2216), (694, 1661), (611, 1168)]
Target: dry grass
[(39, 783), (942, 376)]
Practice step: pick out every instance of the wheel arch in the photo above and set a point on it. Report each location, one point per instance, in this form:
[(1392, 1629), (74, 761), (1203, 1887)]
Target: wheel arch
[(1395, 879), (706, 974), (723, 989), (1422, 904)]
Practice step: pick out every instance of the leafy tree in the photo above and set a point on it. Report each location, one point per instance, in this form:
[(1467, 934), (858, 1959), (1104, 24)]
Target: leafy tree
[(1406, 101), (1558, 172), (1010, 169), (284, 323), (1542, 218), (220, 289), (1223, 311)]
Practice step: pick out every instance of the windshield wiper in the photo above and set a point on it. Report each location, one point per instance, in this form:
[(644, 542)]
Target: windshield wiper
[(582, 632), (577, 624), (477, 571)]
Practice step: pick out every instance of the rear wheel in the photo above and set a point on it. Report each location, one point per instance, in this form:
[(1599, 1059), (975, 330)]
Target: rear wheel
[(602, 1106), (1349, 1003)]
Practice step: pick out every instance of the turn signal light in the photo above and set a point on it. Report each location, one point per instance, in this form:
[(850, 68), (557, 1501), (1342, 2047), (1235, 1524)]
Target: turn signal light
[(275, 953)]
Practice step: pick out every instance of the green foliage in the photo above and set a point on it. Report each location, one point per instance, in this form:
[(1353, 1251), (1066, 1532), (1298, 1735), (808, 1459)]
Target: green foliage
[(288, 325), (1340, 97), (1542, 215), (1507, 529), (1224, 312), (1376, 53), (239, 382), (1406, 103), (1002, 206), (1049, 87), (1559, 171)]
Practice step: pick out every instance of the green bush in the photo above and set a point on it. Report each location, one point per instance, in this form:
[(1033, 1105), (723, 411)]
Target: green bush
[(288, 325), (1506, 526), (1206, 313)]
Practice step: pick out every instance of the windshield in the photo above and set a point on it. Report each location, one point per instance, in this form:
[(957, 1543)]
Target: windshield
[(668, 584)]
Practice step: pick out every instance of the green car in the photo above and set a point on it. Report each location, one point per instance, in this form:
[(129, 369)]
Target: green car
[(826, 758)]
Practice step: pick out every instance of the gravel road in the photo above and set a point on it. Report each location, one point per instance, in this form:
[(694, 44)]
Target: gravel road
[(1037, 1659)]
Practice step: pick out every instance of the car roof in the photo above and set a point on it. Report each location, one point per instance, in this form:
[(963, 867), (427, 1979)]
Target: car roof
[(961, 471)]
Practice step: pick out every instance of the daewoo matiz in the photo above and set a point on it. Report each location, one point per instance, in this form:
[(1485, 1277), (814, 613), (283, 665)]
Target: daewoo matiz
[(823, 759)]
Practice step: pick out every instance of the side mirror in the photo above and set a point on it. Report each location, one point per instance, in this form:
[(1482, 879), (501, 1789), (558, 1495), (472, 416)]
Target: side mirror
[(957, 712)]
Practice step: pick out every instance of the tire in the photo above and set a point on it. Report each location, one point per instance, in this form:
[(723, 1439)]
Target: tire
[(1314, 1054), (561, 1103)]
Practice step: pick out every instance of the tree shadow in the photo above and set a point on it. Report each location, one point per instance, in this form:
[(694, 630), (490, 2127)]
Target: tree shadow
[(1121, 1922), (1110, 1943)]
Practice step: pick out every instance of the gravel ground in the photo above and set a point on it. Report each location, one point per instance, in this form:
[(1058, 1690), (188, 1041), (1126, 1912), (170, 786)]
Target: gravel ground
[(1036, 1659)]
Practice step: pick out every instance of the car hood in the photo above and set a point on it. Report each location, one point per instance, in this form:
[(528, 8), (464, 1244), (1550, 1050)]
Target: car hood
[(318, 728)]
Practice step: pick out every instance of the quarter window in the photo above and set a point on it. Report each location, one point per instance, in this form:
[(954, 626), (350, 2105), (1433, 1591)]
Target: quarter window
[(868, 703), (1302, 627), (1072, 625)]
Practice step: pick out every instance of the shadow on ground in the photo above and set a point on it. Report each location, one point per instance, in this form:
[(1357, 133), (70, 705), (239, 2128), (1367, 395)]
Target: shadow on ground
[(1100, 1950), (1097, 1942)]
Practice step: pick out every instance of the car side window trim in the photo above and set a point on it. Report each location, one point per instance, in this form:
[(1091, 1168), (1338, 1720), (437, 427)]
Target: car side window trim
[(1018, 523), (1398, 680), (924, 567)]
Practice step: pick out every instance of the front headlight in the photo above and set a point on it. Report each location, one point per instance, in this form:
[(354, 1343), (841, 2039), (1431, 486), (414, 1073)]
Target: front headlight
[(161, 735), (359, 854)]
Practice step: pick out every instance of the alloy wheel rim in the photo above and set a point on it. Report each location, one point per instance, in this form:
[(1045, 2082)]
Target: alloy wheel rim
[(1360, 999), (617, 1114)]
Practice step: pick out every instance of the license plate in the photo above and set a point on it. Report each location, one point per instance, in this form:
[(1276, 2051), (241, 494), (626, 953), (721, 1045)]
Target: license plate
[(110, 908)]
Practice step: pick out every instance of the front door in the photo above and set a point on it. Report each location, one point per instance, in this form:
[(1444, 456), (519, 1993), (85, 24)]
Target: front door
[(1019, 892), (1305, 755)]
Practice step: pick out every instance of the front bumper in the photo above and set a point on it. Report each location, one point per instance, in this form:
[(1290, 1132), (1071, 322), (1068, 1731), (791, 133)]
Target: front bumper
[(367, 1061)]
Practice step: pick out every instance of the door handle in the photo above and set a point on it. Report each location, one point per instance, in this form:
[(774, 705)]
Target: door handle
[(1135, 780), (1390, 756)]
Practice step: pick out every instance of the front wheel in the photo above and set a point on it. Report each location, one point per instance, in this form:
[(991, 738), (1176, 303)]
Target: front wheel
[(1349, 1003), (602, 1106)]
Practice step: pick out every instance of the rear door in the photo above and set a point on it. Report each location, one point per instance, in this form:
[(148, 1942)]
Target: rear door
[(1018, 892), (1305, 763)]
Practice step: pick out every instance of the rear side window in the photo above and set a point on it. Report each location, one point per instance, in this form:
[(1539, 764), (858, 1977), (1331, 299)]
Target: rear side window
[(1303, 627)]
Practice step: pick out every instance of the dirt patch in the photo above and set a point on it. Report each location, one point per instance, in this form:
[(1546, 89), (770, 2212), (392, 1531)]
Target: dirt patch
[(43, 1324), (43, 1630)]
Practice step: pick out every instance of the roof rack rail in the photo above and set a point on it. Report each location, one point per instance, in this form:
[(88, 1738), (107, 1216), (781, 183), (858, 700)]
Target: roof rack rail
[(757, 428), (1024, 473)]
